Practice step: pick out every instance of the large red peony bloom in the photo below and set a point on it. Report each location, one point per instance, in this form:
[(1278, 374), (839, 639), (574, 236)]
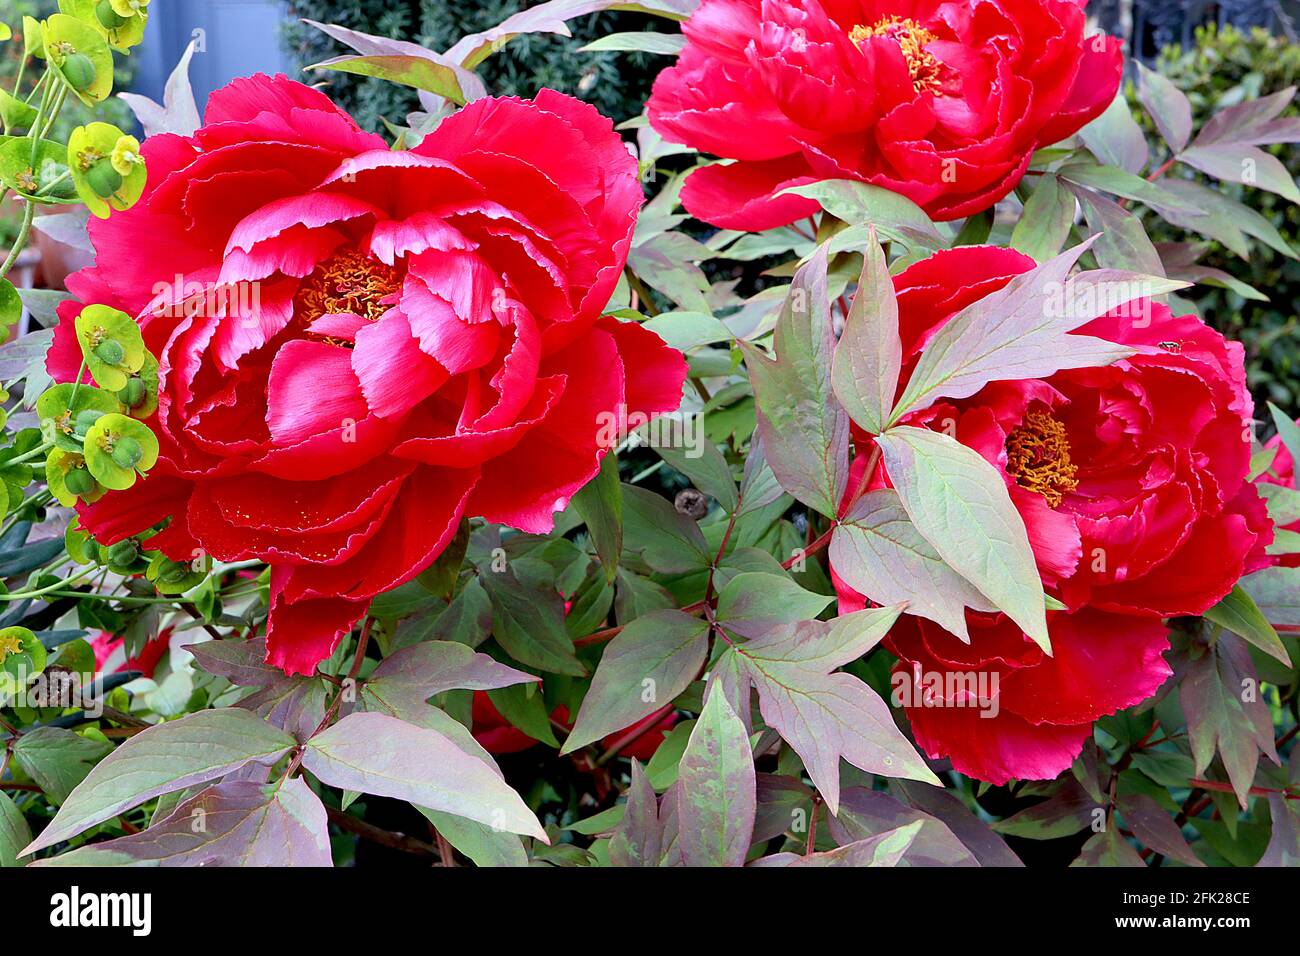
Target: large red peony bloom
[(359, 346), (1132, 481), (940, 100)]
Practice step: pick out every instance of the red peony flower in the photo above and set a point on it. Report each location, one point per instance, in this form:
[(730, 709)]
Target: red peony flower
[(359, 346), (1132, 483), (110, 653), (941, 101), (1281, 471), (1001, 709)]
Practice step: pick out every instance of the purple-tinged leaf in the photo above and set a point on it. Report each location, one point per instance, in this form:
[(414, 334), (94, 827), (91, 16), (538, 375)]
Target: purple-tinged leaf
[(1226, 711), (1239, 613), (1108, 848), (240, 662), (170, 756), (1121, 238), (1023, 330), (1063, 814), (1284, 840), (867, 813), (436, 666), (1119, 182), (178, 113), (824, 716), (803, 427), (650, 662), (1255, 123), (785, 805), (974, 833), (1155, 829), (402, 62), (230, 824), (294, 704), (638, 838), (550, 18), (960, 505), (1225, 220), (884, 849), (878, 552), (716, 802), (1167, 106), (753, 602), (403, 702), (1246, 165), (377, 754), (869, 356)]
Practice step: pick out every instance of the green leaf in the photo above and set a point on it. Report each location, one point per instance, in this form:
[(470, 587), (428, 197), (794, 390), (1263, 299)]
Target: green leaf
[(528, 622), (669, 44), (869, 356), (14, 833), (878, 551), (58, 760), (860, 204), (381, 755), (525, 709), (649, 663), (717, 802), (169, 756), (1239, 614), (960, 504), (1046, 221), (803, 426), (707, 469), (482, 844), (402, 62), (600, 502), (666, 540), (1115, 138), (1288, 431), (755, 601)]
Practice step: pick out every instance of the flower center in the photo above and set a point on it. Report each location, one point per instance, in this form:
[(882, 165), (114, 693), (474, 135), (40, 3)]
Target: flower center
[(1038, 457), (923, 67), (348, 281)]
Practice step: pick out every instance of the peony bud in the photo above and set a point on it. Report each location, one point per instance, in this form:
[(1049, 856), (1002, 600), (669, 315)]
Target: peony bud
[(110, 351), (79, 71), (80, 482), (134, 395), (104, 179), (127, 452), (124, 553), (109, 18)]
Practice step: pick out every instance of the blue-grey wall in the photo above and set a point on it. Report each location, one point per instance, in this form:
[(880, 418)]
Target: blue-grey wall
[(236, 38)]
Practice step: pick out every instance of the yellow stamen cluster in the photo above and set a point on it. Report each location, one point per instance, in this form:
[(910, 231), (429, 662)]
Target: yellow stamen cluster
[(348, 281), (1038, 457), (922, 66), (10, 645)]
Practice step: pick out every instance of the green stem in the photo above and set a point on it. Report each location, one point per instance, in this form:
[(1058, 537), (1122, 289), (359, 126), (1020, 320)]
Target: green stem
[(49, 589), (24, 233), (34, 453)]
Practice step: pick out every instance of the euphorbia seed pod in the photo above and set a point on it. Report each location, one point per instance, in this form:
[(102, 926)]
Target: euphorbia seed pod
[(79, 71)]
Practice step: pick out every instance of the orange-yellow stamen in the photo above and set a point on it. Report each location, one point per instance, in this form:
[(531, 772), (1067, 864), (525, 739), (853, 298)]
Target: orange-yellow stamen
[(348, 281), (1038, 457), (912, 38)]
